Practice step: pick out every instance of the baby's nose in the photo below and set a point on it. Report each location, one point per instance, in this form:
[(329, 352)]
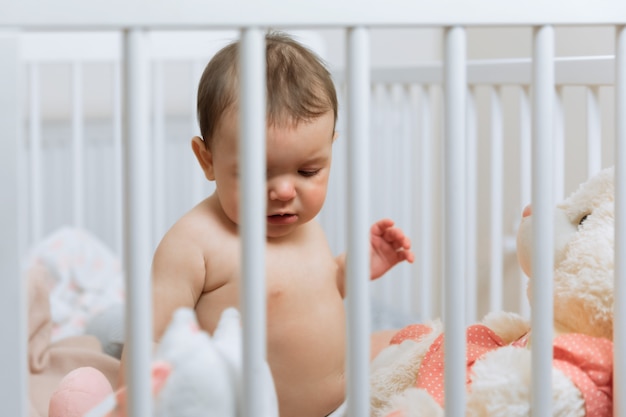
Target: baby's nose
[(282, 189), (528, 210)]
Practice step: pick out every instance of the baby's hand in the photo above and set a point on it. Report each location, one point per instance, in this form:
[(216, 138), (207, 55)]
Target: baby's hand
[(389, 246)]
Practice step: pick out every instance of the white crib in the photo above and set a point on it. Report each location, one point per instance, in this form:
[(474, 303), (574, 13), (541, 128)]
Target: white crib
[(405, 118)]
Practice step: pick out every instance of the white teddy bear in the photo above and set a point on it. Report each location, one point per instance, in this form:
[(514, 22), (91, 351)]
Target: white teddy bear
[(406, 377)]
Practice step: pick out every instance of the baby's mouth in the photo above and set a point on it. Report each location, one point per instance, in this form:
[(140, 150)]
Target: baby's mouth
[(285, 218)]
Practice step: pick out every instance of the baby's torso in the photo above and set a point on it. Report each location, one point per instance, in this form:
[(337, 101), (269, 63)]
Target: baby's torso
[(305, 316)]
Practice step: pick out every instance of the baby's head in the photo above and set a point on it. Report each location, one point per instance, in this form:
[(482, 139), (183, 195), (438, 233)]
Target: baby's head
[(301, 119), (299, 86)]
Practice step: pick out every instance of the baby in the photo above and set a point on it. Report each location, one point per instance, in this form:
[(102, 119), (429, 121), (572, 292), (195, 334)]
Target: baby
[(197, 263)]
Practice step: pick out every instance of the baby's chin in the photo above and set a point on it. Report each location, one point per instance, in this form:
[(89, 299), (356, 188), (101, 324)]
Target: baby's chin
[(274, 232)]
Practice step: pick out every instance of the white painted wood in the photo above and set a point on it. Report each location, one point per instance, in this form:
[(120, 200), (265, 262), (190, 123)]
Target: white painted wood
[(542, 226), (34, 139), (118, 161), (158, 148), (425, 228), (525, 161), (594, 131), (619, 326), (242, 13), (138, 221), (471, 185), (559, 145), (584, 70), (78, 148), (496, 202), (253, 199), (358, 265), (13, 312), (454, 229)]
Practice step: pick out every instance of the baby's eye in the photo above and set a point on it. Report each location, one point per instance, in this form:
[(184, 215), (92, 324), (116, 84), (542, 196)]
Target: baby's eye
[(582, 219), (308, 172)]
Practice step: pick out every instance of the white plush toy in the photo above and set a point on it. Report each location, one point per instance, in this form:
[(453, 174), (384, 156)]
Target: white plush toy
[(193, 375), (406, 377)]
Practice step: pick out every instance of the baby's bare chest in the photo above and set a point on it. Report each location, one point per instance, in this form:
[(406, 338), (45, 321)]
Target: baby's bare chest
[(299, 271)]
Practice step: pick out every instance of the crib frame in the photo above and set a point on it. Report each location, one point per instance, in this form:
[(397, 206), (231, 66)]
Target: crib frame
[(252, 17)]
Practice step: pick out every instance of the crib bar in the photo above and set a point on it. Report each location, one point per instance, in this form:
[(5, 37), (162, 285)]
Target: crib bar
[(525, 162), (472, 207), (253, 204), (358, 268), (542, 227), (496, 199), (619, 372), (158, 148), (454, 241), (584, 71), (36, 204), (118, 162), (13, 313), (198, 181), (117, 14), (138, 222), (594, 131), (559, 145), (425, 231), (406, 172), (78, 136)]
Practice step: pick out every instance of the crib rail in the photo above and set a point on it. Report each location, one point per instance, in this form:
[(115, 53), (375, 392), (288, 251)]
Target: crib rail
[(193, 14), (461, 92)]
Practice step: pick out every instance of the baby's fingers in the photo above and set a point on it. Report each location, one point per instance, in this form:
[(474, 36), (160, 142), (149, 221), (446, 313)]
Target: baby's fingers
[(381, 227), (397, 238)]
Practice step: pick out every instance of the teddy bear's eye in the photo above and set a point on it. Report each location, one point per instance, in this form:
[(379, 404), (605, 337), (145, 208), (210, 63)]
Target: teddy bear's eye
[(582, 219)]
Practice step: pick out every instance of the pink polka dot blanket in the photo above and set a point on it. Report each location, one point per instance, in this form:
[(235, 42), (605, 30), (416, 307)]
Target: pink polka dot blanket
[(586, 360)]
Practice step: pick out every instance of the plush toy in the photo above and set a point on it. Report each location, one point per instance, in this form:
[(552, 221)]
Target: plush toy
[(193, 375), (407, 377)]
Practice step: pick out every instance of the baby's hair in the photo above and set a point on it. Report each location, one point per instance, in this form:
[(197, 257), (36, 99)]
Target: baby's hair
[(299, 86)]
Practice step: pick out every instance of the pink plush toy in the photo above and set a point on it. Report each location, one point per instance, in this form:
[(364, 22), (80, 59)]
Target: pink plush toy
[(78, 392), (193, 375)]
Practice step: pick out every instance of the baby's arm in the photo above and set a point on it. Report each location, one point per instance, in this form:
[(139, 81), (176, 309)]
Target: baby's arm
[(178, 274)]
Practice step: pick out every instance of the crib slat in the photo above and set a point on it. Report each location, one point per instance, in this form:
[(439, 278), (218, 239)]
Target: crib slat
[(542, 227), (594, 131), (496, 201), (525, 140), (78, 138), (118, 160), (158, 148), (426, 227), (253, 208), (36, 203), (405, 172), (13, 313), (138, 221), (559, 145), (472, 208), (358, 271), (619, 372), (455, 81), (198, 181)]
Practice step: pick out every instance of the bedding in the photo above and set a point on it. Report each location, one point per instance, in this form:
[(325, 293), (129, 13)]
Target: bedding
[(49, 361)]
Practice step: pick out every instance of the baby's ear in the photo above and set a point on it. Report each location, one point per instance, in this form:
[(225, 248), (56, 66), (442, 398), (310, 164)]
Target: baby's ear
[(204, 156)]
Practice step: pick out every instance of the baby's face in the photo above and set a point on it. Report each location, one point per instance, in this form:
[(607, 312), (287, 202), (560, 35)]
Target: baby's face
[(298, 167)]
